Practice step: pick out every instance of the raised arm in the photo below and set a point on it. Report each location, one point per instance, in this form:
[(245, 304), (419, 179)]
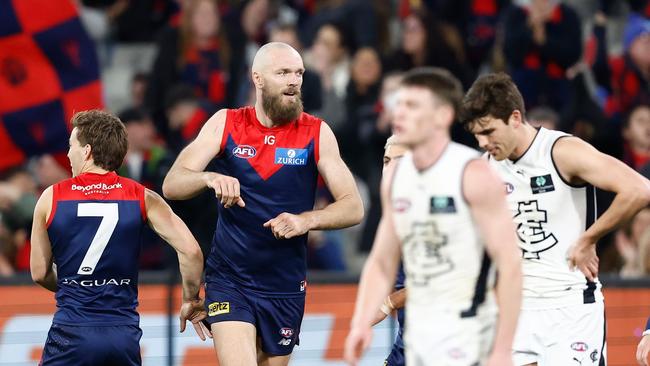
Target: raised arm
[(486, 197), (347, 208), (377, 278), (579, 163), (186, 177), (41, 260)]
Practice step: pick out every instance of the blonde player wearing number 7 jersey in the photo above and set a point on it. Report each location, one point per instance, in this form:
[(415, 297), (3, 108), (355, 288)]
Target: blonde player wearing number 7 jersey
[(549, 180)]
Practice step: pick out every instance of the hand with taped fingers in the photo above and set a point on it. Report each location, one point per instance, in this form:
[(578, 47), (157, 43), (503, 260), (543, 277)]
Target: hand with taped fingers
[(287, 226), (583, 256), (226, 188)]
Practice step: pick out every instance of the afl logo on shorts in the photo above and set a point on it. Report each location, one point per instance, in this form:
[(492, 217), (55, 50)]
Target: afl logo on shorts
[(286, 332), (579, 346), (244, 151)]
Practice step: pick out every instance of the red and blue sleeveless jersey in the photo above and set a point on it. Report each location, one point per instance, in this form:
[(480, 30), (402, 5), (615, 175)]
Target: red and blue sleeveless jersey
[(277, 172), (94, 229)]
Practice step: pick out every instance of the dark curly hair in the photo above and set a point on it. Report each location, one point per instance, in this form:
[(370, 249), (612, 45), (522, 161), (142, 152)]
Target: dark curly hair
[(494, 95)]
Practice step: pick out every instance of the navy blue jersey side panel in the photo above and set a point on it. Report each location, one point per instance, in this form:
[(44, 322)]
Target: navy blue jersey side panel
[(243, 249), (401, 277), (108, 295)]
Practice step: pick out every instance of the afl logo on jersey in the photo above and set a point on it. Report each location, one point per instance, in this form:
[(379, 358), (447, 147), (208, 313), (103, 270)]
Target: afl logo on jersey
[(401, 204), (244, 151), (509, 188)]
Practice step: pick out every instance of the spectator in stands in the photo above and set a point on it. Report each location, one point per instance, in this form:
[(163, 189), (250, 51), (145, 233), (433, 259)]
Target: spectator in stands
[(542, 40), (425, 41), (146, 162), (247, 26), (544, 117), (633, 86), (186, 114), (196, 53), (358, 22), (629, 242), (636, 136), (138, 89), (477, 22), (625, 79), (329, 57), (18, 194), (312, 93), (47, 171)]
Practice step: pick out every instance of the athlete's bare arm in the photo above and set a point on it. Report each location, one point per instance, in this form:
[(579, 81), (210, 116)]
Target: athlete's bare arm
[(580, 163), (346, 210), (41, 259), (173, 230), (377, 278), (486, 197), (187, 178)]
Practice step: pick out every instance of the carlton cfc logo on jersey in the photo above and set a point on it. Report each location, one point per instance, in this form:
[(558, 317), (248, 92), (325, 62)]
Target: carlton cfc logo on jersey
[(291, 156), (244, 151)]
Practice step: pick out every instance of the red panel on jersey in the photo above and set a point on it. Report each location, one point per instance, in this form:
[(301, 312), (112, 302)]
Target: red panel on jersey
[(243, 122), (24, 70), (92, 186), (36, 15)]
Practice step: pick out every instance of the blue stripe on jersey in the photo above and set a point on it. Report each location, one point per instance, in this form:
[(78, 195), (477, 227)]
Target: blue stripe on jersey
[(245, 251), (108, 295)]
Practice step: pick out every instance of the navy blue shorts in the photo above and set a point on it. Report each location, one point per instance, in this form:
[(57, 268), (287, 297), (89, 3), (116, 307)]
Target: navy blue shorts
[(276, 320), (92, 346), (396, 356)]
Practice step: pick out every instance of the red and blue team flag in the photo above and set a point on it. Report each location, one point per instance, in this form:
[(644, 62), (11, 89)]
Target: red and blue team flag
[(48, 71)]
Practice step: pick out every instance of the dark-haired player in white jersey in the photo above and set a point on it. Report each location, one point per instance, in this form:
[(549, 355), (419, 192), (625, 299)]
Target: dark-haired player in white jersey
[(549, 179), (447, 209)]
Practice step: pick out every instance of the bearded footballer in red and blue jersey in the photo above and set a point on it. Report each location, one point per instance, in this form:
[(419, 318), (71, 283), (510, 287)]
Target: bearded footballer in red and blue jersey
[(268, 160)]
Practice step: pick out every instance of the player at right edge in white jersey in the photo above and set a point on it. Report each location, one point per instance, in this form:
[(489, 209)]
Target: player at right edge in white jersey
[(550, 178), (445, 209)]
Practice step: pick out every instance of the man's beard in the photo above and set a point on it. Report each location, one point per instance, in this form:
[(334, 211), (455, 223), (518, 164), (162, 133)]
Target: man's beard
[(279, 112)]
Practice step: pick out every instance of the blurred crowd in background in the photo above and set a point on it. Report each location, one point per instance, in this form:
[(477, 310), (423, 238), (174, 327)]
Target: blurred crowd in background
[(165, 66)]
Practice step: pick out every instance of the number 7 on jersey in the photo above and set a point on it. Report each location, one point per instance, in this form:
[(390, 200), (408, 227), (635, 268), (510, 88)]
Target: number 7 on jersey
[(110, 214)]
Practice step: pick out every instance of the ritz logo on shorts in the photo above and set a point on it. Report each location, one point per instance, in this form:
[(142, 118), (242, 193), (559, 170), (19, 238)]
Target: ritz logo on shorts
[(285, 156), (218, 308)]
